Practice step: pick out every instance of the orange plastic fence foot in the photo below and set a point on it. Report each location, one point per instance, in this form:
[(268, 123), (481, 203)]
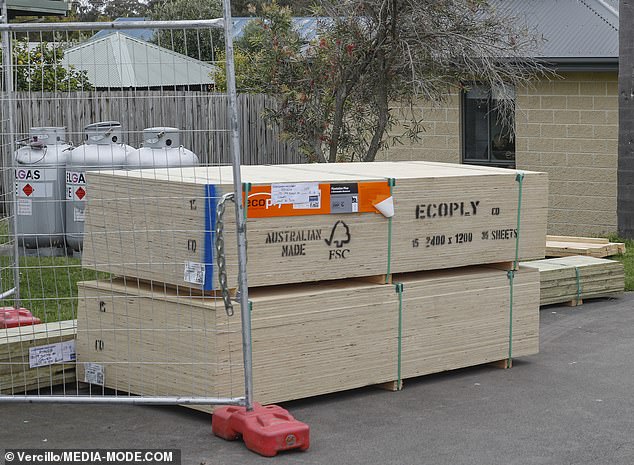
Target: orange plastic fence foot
[(265, 430)]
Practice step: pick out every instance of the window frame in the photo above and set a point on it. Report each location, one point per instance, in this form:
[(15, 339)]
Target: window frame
[(490, 161)]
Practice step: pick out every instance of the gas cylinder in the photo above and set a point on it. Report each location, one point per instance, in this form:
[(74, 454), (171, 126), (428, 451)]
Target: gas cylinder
[(161, 149), (40, 188), (103, 148)]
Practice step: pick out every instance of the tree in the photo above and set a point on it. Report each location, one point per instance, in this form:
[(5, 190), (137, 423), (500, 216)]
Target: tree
[(249, 7), (338, 96), (40, 69), (196, 43)]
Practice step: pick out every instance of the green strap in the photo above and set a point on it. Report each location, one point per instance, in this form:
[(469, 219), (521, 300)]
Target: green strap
[(246, 188), (511, 276), (578, 276), (390, 182), (519, 177), (399, 291), (250, 312)]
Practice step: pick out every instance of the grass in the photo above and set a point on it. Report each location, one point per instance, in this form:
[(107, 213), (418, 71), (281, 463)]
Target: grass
[(48, 285), (627, 259)]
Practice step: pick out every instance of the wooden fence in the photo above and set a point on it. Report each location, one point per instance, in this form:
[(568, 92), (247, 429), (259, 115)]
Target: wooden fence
[(201, 116)]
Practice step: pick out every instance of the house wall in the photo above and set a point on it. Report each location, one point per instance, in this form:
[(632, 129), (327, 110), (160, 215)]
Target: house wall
[(567, 127), (440, 140)]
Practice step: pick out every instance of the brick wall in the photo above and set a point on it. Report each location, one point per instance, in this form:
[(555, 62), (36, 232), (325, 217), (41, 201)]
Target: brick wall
[(567, 127), (439, 142)]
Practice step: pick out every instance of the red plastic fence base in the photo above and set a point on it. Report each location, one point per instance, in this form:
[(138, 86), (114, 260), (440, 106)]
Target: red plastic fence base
[(264, 430), (12, 317)]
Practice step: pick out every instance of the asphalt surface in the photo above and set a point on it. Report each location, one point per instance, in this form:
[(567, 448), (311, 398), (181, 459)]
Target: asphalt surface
[(571, 404)]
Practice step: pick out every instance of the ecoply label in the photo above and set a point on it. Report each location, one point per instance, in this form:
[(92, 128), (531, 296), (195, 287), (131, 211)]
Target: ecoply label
[(446, 209)]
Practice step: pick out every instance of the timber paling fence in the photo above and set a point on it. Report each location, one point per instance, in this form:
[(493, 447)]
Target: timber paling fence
[(201, 116)]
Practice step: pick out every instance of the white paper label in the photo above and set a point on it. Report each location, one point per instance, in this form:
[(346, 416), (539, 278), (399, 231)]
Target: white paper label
[(79, 215), (194, 273), (25, 207), (314, 204), (52, 353), (298, 193), (93, 374)]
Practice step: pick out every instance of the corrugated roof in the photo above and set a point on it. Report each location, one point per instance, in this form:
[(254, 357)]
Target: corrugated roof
[(118, 60), (141, 34), (572, 29), (580, 29)]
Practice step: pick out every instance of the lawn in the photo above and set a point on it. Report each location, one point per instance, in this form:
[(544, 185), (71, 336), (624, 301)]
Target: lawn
[(48, 285), (628, 260)]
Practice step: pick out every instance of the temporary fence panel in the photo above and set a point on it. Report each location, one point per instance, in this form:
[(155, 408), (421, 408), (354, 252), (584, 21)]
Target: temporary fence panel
[(59, 339)]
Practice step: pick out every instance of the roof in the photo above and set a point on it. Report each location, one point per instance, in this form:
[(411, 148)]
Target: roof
[(141, 34), (306, 26), (574, 30), (121, 61), (37, 7)]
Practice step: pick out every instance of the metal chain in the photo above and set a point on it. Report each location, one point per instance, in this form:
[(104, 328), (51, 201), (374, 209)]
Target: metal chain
[(220, 252)]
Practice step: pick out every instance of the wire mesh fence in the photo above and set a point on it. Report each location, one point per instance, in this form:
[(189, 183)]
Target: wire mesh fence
[(77, 319)]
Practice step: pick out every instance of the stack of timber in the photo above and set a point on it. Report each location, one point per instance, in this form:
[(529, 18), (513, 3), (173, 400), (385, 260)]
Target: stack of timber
[(565, 246), (573, 279), (308, 339), (17, 355), (312, 222)]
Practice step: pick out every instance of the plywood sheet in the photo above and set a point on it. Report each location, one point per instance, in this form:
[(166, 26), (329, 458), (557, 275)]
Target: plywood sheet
[(308, 339), (151, 224)]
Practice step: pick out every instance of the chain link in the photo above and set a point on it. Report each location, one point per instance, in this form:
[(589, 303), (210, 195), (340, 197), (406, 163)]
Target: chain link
[(220, 252)]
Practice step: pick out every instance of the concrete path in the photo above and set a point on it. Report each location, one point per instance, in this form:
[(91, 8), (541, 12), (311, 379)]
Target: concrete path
[(573, 404)]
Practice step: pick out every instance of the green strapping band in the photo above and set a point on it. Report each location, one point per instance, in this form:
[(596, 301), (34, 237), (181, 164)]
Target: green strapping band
[(519, 177), (399, 291), (511, 276), (250, 312), (246, 188), (390, 182), (578, 276)]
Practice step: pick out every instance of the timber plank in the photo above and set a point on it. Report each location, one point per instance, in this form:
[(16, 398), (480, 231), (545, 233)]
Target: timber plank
[(564, 246), (15, 374), (573, 279)]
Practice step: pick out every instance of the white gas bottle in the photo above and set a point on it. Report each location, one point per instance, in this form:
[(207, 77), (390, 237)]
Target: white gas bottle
[(103, 148), (40, 188), (161, 149)]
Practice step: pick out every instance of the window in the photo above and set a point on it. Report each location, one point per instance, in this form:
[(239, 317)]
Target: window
[(486, 140)]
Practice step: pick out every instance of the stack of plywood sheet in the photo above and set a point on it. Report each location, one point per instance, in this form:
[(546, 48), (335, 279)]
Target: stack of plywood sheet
[(572, 279), (318, 237), (312, 222), (308, 339), (564, 246), (32, 357)]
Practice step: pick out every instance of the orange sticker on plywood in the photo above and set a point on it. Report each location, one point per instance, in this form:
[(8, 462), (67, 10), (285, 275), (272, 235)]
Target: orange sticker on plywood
[(299, 199)]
